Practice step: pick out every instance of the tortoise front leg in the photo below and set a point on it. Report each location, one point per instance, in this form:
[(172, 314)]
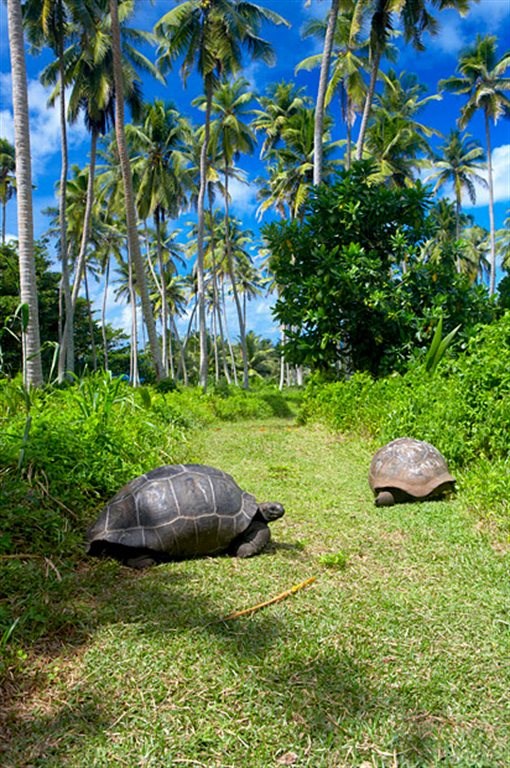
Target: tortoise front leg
[(252, 540)]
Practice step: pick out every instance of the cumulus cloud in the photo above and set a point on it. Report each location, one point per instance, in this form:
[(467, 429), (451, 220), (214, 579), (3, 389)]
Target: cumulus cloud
[(44, 124), (457, 32), (501, 178), (243, 198)]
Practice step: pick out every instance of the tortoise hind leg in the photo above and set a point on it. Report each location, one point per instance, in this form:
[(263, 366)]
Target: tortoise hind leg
[(252, 540)]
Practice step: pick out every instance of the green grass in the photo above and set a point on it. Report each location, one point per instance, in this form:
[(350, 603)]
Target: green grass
[(397, 656)]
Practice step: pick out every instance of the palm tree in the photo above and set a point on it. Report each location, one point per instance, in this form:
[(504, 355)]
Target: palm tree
[(211, 35), (460, 165), (395, 139), (129, 198), (290, 168), (481, 77), (346, 76), (32, 366), (282, 100), (321, 92), (7, 177), (416, 20), (160, 165), (231, 136)]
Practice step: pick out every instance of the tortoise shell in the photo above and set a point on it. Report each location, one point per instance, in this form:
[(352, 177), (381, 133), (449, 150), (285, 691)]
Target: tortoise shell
[(409, 468), (183, 510)]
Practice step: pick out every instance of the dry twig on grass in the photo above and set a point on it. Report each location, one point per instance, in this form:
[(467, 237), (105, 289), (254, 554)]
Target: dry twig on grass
[(281, 596)]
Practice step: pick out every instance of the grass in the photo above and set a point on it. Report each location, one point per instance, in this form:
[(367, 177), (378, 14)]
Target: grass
[(395, 657)]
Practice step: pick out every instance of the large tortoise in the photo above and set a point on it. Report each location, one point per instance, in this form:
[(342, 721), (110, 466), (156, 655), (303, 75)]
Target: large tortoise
[(407, 470), (181, 511)]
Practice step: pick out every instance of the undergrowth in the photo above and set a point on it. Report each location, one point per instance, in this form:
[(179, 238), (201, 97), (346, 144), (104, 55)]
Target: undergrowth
[(463, 409)]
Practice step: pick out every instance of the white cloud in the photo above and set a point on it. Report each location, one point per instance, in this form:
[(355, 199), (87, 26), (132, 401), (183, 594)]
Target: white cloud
[(501, 178), (243, 198), (44, 124)]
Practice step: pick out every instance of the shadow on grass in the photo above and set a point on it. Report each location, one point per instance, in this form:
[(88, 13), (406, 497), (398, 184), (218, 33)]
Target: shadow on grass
[(317, 685)]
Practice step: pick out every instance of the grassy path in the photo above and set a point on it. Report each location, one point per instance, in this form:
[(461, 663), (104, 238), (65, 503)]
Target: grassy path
[(396, 656)]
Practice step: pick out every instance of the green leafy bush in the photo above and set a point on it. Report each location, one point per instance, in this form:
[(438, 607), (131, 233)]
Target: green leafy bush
[(463, 409)]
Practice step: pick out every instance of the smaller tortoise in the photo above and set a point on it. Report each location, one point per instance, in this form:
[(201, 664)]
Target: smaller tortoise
[(180, 511), (408, 470)]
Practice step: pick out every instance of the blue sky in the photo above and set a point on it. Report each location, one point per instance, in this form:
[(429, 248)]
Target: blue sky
[(438, 61)]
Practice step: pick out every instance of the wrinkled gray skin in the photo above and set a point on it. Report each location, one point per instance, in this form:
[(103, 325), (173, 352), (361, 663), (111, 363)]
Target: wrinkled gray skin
[(181, 511)]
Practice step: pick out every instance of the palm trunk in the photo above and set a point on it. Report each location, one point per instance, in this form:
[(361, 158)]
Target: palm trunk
[(231, 271), (492, 228), (131, 220), (65, 343), (32, 365), (368, 103), (103, 312), (164, 297), (202, 330), (321, 94)]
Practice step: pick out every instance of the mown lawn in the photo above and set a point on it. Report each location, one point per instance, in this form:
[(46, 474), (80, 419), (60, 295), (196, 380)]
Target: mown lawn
[(396, 656)]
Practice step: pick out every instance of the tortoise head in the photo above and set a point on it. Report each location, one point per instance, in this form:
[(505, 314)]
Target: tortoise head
[(270, 510)]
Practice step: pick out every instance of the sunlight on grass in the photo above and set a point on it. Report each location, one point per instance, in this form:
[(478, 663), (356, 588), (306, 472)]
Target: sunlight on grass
[(396, 655)]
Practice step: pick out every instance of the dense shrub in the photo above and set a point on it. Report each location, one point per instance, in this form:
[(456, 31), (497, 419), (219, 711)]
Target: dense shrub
[(463, 409)]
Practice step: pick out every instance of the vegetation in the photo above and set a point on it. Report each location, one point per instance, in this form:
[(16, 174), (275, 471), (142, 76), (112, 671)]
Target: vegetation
[(385, 642), (392, 655)]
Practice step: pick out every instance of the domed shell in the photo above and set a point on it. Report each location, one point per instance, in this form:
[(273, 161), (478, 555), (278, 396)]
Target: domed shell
[(182, 510), (412, 466)]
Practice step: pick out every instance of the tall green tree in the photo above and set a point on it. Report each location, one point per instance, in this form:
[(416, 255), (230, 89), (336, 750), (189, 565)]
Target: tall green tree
[(416, 20), (232, 136), (32, 366), (395, 138), (211, 35), (347, 63), (129, 197), (161, 168), (481, 78), (320, 103), (460, 164)]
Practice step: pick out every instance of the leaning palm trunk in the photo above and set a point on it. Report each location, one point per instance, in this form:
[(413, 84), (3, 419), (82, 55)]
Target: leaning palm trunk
[(368, 103), (231, 271), (135, 255), (321, 94), (31, 344), (103, 311), (492, 228), (164, 296), (202, 330), (65, 341)]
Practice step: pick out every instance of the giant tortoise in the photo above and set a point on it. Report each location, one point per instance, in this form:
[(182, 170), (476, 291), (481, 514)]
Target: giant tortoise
[(407, 470), (181, 511)]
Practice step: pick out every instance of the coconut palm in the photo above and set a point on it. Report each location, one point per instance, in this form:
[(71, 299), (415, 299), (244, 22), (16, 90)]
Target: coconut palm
[(282, 100), (163, 178), (503, 242), (395, 138), (32, 366), (321, 92), (51, 23), (459, 165), (232, 136), (347, 65), (290, 167), (211, 35), (481, 77), (129, 198), (416, 20), (7, 177)]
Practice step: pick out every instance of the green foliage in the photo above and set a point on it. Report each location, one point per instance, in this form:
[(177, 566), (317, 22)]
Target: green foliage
[(355, 293), (464, 411)]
